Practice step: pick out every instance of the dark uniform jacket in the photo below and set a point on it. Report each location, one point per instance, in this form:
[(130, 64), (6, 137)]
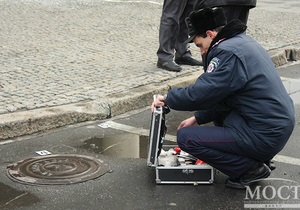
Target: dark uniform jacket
[(242, 84)]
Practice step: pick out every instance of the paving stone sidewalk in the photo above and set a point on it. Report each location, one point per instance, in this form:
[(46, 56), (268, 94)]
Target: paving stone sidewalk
[(64, 61)]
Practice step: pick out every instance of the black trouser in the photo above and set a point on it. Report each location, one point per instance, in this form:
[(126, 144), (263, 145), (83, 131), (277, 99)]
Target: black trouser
[(236, 12), (173, 30)]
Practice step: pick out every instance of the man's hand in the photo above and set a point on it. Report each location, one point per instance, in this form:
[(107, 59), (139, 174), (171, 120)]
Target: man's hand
[(188, 122), (159, 101)]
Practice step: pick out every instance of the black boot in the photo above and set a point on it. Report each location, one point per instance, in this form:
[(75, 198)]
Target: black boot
[(270, 164), (259, 171)]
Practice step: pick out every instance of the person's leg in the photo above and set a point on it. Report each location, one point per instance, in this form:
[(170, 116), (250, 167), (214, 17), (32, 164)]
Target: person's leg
[(182, 48), (169, 28), (215, 146), (183, 54), (244, 14), (236, 12)]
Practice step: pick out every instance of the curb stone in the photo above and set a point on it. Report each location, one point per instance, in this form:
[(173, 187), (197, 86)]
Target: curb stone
[(282, 56)]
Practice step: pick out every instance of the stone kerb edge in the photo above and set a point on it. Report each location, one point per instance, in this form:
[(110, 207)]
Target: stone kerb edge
[(283, 56)]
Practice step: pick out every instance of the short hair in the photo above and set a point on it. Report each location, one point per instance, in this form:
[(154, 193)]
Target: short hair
[(204, 35)]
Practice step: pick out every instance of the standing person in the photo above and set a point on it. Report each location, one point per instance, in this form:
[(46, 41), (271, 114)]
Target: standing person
[(233, 9), (172, 35), (242, 87)]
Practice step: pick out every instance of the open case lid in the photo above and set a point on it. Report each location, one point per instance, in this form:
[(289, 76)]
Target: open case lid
[(157, 133)]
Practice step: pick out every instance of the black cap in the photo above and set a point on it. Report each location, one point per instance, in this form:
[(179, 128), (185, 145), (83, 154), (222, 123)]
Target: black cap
[(205, 19), (190, 29)]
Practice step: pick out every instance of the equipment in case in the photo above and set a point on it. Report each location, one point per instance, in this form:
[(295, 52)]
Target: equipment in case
[(172, 165)]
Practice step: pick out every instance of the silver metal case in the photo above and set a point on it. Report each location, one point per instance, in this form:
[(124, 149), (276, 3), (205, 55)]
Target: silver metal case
[(181, 174)]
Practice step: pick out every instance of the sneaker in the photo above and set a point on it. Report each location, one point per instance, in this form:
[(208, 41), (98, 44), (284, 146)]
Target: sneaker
[(188, 61), (259, 171), (169, 65)]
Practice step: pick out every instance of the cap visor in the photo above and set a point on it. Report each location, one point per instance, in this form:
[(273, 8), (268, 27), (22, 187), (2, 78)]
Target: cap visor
[(190, 40)]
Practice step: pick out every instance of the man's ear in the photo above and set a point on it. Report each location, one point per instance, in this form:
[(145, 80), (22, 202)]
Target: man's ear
[(210, 34)]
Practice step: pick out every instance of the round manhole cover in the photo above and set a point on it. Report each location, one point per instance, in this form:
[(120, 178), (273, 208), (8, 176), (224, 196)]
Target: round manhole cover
[(57, 169)]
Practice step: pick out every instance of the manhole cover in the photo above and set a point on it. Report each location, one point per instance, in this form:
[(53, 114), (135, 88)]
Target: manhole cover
[(57, 169)]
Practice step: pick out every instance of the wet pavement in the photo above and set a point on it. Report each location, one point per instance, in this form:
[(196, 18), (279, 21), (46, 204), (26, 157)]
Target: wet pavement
[(52, 60), (131, 183), (121, 146)]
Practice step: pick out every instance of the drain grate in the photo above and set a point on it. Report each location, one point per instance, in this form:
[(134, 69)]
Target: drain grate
[(57, 169)]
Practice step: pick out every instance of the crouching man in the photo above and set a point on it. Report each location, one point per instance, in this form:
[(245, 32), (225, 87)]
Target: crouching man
[(241, 92)]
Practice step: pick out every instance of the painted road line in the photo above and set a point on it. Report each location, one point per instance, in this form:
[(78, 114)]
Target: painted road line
[(286, 159)]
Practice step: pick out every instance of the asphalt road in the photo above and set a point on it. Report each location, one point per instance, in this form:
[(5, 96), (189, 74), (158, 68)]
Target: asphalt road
[(131, 184), (123, 146)]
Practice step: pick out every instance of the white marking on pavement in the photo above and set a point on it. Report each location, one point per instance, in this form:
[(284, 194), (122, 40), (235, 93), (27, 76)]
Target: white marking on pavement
[(139, 131), (145, 132), (6, 142), (286, 159), (289, 79)]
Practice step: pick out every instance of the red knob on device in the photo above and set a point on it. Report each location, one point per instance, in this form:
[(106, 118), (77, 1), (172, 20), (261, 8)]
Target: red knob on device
[(199, 162), (177, 150)]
